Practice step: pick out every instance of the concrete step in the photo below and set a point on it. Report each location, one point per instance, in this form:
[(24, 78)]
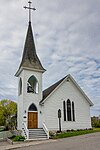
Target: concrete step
[(37, 134), (37, 137)]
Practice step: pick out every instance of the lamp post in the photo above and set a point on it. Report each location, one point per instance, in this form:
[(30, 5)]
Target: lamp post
[(59, 116)]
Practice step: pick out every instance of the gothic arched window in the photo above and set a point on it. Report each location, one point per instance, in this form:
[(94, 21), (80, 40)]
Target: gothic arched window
[(73, 111), (20, 87), (64, 109), (32, 107), (32, 85), (69, 110)]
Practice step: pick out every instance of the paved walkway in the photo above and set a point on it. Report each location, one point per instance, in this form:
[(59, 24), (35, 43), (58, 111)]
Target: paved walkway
[(6, 146), (3, 143), (84, 142)]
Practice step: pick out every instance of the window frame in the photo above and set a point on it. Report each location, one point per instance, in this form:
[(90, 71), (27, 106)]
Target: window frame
[(64, 110), (73, 111), (69, 111)]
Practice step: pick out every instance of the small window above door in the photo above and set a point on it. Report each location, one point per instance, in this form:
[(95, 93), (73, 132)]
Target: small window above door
[(32, 107)]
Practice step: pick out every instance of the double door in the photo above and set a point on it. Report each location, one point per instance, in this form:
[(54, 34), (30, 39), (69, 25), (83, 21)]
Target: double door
[(32, 120)]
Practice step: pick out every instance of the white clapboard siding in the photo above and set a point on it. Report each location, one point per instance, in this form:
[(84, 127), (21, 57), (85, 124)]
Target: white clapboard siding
[(26, 99), (67, 90)]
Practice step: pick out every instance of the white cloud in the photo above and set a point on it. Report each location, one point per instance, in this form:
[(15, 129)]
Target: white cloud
[(67, 36)]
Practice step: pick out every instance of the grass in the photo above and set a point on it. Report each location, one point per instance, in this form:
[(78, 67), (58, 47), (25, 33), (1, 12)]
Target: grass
[(75, 133)]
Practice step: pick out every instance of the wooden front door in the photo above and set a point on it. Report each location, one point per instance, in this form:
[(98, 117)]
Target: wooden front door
[(32, 120)]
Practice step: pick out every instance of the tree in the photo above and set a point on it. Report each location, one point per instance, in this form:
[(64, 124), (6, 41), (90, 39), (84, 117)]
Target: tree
[(2, 118), (95, 122), (8, 113)]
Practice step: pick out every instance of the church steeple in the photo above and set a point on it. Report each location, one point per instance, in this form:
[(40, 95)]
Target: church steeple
[(29, 75), (30, 59)]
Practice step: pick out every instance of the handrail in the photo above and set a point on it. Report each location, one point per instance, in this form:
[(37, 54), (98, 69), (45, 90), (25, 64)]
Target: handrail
[(26, 130), (46, 130)]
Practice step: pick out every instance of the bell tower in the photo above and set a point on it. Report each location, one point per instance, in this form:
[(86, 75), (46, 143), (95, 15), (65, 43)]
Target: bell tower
[(29, 80)]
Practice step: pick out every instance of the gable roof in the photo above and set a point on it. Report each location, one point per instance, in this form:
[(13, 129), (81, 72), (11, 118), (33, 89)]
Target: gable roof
[(30, 59), (47, 92)]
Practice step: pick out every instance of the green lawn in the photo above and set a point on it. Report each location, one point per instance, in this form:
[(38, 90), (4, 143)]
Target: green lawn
[(74, 133)]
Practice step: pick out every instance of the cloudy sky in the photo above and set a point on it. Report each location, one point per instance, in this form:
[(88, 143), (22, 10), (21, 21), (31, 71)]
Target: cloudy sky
[(67, 37)]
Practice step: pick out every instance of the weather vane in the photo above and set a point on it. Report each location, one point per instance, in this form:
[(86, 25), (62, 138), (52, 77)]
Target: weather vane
[(30, 8)]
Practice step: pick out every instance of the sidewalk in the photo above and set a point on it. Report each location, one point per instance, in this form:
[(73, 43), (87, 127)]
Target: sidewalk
[(24, 144)]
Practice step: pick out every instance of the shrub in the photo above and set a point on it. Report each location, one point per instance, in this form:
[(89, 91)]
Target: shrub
[(12, 137), (72, 130), (95, 122), (2, 128), (58, 131), (17, 138), (68, 130)]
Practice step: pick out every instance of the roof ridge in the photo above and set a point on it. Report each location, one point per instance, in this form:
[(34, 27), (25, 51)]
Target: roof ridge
[(50, 89)]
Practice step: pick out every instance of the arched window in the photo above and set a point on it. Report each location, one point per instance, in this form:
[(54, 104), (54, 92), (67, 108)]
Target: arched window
[(32, 107), (32, 85), (20, 87), (64, 109), (73, 111), (69, 110)]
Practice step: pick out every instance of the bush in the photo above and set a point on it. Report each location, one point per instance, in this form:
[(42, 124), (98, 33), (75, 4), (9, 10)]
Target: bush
[(68, 130), (58, 131), (2, 128), (95, 122), (72, 130), (12, 137), (17, 138)]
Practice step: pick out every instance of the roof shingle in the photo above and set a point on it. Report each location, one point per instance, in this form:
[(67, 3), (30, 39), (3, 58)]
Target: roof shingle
[(30, 58)]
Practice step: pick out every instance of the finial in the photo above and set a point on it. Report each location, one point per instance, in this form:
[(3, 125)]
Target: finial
[(30, 8)]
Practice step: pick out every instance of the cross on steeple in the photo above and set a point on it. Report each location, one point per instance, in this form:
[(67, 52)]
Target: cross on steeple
[(30, 8)]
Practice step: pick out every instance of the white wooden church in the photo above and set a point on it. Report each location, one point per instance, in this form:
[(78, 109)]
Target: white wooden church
[(38, 109)]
